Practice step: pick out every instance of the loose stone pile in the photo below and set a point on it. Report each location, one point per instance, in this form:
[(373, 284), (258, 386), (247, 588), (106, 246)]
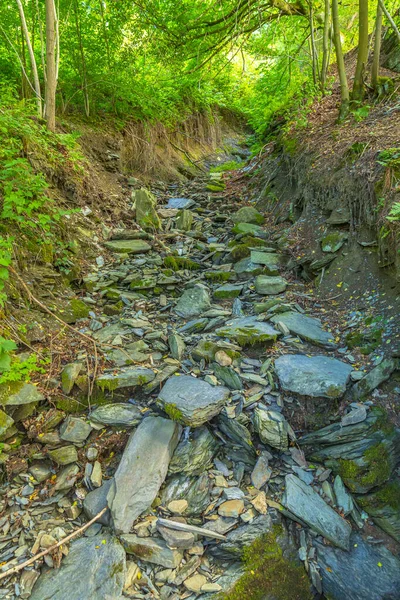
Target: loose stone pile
[(187, 442)]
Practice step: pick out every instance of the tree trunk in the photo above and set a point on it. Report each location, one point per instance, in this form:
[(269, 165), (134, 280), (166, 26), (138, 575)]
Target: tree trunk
[(314, 52), (32, 58), (86, 100), (344, 87), (51, 70), (362, 55), (325, 46), (390, 19), (377, 47)]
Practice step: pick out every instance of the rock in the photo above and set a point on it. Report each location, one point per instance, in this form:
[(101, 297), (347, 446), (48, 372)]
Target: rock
[(261, 472), (96, 476), (177, 507), (94, 568), (193, 302), (195, 583), (248, 214), (119, 414), (16, 393), (146, 213), (332, 242), (245, 269), (64, 456), (238, 433), (228, 376), (192, 401), (307, 328), (75, 430), (177, 346), (40, 471), (339, 216), (269, 261), (365, 571), (354, 416), (317, 376), (383, 506), (142, 470), (227, 291), (374, 378), (231, 508), (248, 228), (242, 537), (184, 220), (223, 359), (128, 246), (124, 378), (272, 428), (270, 285), (69, 375), (27, 581), (208, 349), (95, 501), (247, 331), (301, 500), (152, 550), (5, 422), (195, 490), (179, 203), (194, 454), (66, 478), (176, 539), (343, 499), (161, 376)]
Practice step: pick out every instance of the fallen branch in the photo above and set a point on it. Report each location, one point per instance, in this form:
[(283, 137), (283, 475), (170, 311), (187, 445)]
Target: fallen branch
[(54, 547)]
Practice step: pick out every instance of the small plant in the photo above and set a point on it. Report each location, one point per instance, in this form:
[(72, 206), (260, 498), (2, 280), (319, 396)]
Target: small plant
[(6, 347), (361, 112), (230, 165), (394, 214)]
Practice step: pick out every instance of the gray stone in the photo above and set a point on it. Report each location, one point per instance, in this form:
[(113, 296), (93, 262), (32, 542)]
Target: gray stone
[(176, 345), (333, 241), (152, 550), (301, 500), (194, 454), (228, 376), (317, 376), (374, 378), (75, 430), (382, 505), (243, 536), (228, 290), (69, 375), (142, 470), (195, 490), (161, 376), (18, 392), (248, 228), (245, 269), (128, 246), (146, 213), (124, 378), (66, 478), (269, 260), (176, 539), (247, 331), (266, 285), (354, 416), (94, 568), (5, 422), (272, 428), (238, 433), (118, 414), (192, 401), (179, 203), (135, 352), (248, 214), (193, 302), (95, 501), (184, 220), (365, 572), (343, 499), (261, 472), (307, 328), (64, 456)]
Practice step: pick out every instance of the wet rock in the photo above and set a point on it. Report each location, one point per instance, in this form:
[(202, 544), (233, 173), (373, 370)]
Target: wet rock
[(248, 331), (194, 454), (193, 302), (365, 571), (146, 213), (248, 214), (128, 246), (317, 376), (117, 415), (94, 568), (272, 428), (374, 378), (301, 500), (307, 328), (333, 241), (192, 401), (69, 375), (125, 378), (142, 470), (266, 285), (153, 550), (75, 430), (16, 393), (195, 490), (95, 501)]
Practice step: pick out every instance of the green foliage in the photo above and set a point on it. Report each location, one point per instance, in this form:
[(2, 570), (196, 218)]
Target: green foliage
[(6, 347), (17, 368), (230, 165), (394, 214)]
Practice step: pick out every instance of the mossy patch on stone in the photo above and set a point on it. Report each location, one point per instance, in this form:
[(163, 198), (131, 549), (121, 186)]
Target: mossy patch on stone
[(177, 263), (217, 276), (174, 413)]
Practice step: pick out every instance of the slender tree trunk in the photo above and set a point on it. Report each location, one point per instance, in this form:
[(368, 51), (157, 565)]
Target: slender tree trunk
[(362, 55), (314, 53), (325, 45), (25, 88), (390, 19), (51, 70), (86, 101), (377, 47), (41, 40), (344, 86), (32, 58)]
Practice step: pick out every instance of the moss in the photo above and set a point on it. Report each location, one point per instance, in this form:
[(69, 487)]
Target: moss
[(9, 389), (240, 251), (79, 309), (109, 385), (379, 469), (388, 495), (174, 413), (177, 263), (217, 275), (215, 187), (367, 341), (268, 574), (253, 242)]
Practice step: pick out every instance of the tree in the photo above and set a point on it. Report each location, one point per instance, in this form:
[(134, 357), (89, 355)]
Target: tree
[(362, 54), (32, 58), (326, 45), (344, 86), (377, 46), (51, 64)]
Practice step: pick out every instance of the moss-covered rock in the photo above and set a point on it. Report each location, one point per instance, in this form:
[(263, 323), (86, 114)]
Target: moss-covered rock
[(218, 276), (207, 349), (333, 241), (383, 505), (248, 214), (146, 213), (177, 263), (227, 291)]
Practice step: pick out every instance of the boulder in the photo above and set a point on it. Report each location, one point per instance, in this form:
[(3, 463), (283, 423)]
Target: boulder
[(142, 470), (146, 213), (194, 454), (307, 328), (193, 302), (266, 285), (192, 401), (248, 331), (124, 378), (248, 214), (317, 376), (118, 414)]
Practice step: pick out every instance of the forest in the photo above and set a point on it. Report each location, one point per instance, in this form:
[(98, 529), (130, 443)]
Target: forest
[(199, 299)]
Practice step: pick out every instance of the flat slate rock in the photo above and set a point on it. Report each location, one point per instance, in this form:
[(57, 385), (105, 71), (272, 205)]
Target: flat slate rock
[(180, 203), (301, 500), (193, 302), (366, 572), (142, 470), (317, 376), (266, 285), (248, 331), (18, 393), (192, 401), (128, 246), (127, 377), (118, 414), (94, 568), (308, 328)]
